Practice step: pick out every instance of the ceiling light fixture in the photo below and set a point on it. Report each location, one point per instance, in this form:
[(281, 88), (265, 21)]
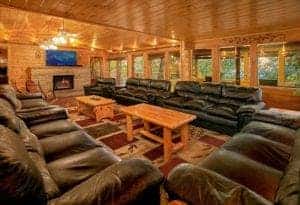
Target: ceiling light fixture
[(61, 38)]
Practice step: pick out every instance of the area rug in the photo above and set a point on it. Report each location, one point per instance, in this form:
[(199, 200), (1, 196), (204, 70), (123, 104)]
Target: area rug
[(113, 133)]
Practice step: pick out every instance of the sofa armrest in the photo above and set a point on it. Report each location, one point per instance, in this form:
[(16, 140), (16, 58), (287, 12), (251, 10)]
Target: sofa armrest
[(251, 108), (132, 181), (42, 116), (25, 96), (197, 185)]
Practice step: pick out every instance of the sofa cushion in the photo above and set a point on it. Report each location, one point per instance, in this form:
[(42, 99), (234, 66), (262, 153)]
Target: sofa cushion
[(50, 186), (31, 103), (20, 180), (7, 116), (160, 85), (131, 182), (132, 83), (258, 177), (66, 144), (175, 101), (8, 93), (109, 81), (270, 131), (53, 128), (144, 83), (71, 170), (246, 94), (289, 188), (188, 86), (30, 141), (260, 149), (291, 120), (41, 116), (211, 89), (197, 104), (225, 111), (197, 185)]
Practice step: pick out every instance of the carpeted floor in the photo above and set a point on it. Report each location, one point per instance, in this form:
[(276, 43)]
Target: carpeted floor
[(113, 133)]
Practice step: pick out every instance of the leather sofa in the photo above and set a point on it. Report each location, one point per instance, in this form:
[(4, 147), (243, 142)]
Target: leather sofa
[(143, 91), (47, 159), (224, 108), (104, 87), (258, 166)]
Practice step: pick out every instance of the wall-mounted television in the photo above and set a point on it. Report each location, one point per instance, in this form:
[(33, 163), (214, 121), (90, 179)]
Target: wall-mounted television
[(61, 58)]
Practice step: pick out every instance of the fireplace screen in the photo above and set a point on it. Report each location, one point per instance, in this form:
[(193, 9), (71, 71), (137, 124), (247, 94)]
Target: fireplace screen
[(63, 82)]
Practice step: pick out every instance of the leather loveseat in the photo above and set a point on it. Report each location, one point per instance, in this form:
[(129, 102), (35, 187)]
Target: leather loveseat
[(104, 87), (50, 160), (143, 91), (258, 166), (224, 108)]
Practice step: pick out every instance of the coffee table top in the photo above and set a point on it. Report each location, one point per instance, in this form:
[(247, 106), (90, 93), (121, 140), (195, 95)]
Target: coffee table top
[(94, 100), (171, 119)]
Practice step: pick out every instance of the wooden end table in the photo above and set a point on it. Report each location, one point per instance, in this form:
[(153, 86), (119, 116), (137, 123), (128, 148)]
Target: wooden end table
[(96, 107), (165, 118)]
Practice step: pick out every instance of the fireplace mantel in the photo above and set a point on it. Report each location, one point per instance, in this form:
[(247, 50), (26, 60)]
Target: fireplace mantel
[(44, 75)]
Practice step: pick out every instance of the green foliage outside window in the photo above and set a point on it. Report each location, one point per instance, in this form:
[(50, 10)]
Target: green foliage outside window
[(228, 69), (138, 67), (267, 68), (123, 72), (157, 68), (292, 67), (118, 70), (202, 68), (113, 68)]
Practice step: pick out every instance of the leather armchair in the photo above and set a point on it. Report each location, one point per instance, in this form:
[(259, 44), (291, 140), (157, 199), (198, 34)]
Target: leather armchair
[(255, 167)]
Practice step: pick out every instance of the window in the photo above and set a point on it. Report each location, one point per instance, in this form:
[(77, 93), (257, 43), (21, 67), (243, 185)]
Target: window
[(123, 72), (138, 67), (233, 64), (157, 67), (113, 64), (202, 65), (118, 70), (279, 64), (174, 65)]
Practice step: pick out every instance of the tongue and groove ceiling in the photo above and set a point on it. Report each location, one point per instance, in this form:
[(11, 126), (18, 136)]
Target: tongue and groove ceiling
[(189, 20)]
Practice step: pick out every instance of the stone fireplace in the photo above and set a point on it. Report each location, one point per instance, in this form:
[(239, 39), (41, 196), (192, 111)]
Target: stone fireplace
[(63, 82)]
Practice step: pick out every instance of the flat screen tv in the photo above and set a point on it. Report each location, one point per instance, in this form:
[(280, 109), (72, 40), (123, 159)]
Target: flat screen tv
[(61, 58)]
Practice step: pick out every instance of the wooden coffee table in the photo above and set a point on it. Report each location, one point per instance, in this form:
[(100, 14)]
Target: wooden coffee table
[(165, 118), (96, 107)]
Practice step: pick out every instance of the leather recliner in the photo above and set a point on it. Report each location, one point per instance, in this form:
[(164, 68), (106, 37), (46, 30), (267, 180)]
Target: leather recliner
[(143, 91), (219, 107), (51, 160), (258, 166), (104, 87)]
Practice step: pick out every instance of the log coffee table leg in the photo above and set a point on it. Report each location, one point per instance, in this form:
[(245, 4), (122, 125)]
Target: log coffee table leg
[(185, 134), (129, 128), (168, 145), (146, 126)]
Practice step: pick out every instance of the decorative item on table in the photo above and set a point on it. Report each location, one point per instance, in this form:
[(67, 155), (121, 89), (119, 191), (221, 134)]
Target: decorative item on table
[(95, 97)]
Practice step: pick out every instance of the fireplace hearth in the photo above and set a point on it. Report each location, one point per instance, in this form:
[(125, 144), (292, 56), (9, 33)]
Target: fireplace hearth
[(63, 82)]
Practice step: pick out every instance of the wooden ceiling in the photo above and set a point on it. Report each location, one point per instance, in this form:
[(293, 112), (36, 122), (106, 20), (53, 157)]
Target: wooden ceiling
[(18, 26), (189, 20)]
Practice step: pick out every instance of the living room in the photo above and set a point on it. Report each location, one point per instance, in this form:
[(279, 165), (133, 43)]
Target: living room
[(149, 102)]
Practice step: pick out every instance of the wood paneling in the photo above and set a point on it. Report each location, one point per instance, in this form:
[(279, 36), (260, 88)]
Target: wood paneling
[(180, 19), (281, 97), (17, 26)]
